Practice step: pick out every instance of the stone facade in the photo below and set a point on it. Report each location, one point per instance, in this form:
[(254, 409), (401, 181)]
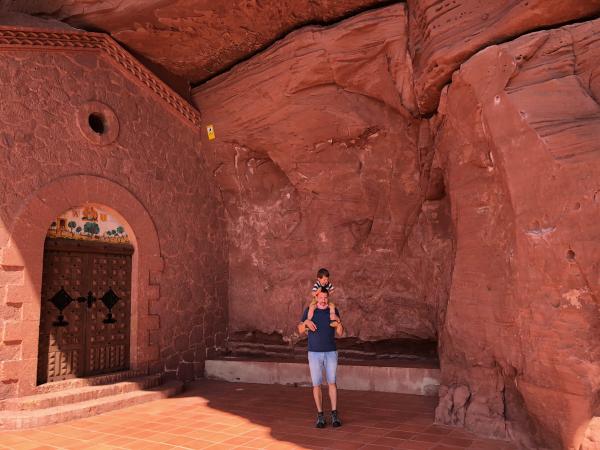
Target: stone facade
[(147, 166)]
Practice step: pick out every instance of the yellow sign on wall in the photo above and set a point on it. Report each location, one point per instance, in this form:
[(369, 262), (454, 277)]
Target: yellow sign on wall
[(210, 130)]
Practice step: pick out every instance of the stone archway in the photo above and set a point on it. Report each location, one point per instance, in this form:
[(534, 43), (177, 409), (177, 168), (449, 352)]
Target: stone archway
[(24, 256), (85, 320)]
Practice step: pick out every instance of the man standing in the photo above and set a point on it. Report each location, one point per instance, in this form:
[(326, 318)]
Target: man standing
[(322, 353)]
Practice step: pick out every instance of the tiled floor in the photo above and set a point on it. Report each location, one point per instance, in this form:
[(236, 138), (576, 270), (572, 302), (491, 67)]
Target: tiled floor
[(220, 415)]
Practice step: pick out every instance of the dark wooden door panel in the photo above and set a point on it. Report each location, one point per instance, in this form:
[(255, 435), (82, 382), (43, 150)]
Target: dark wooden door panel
[(61, 347), (90, 344), (108, 343)]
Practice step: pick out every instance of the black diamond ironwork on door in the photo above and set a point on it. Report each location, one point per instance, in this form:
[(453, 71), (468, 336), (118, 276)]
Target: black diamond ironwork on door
[(61, 300)]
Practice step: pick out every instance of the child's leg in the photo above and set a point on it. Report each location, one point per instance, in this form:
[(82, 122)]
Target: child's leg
[(332, 315), (311, 309)]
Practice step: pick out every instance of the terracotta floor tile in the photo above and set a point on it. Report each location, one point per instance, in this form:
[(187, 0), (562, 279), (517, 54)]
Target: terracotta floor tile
[(374, 431), (388, 442), (375, 447), (281, 446), (459, 442), (32, 446), (400, 434), (96, 446), (427, 437), (415, 445), (238, 440), (121, 441), (146, 445), (228, 415), (346, 445), (258, 443), (437, 429), (258, 433), (6, 440)]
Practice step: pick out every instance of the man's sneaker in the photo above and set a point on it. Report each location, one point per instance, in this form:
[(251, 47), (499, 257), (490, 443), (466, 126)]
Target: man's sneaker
[(320, 421), (335, 420)]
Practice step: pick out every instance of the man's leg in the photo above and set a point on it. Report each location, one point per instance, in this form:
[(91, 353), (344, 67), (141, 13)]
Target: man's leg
[(332, 396), (331, 359), (316, 361), (318, 395)]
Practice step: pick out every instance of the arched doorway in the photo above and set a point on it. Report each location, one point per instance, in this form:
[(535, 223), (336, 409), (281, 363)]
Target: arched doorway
[(85, 321)]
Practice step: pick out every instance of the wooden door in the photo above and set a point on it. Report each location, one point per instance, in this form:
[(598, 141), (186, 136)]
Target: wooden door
[(86, 340)]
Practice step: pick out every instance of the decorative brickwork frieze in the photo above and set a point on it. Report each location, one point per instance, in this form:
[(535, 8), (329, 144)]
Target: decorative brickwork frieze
[(14, 39)]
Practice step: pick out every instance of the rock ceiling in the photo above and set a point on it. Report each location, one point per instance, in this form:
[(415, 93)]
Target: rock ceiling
[(193, 39)]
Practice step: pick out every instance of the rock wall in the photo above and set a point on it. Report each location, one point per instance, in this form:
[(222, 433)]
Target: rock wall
[(445, 33), (324, 158), (153, 157), (321, 162), (519, 139)]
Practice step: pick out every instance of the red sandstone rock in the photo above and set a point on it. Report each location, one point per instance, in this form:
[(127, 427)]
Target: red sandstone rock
[(193, 39), (320, 163), (445, 33), (520, 144), (26, 21)]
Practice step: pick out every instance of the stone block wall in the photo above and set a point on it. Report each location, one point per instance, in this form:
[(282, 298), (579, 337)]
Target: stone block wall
[(147, 166)]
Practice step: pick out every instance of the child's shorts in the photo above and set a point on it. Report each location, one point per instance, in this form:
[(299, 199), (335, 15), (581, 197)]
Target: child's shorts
[(317, 361)]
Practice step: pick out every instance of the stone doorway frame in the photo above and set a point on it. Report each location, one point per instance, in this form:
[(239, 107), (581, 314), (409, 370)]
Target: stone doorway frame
[(24, 257)]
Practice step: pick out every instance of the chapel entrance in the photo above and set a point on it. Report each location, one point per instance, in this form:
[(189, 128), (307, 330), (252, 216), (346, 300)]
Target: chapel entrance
[(85, 321)]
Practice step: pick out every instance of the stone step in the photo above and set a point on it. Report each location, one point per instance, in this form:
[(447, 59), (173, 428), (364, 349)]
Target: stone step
[(74, 383), (79, 394), (12, 420), (381, 378), (258, 345)]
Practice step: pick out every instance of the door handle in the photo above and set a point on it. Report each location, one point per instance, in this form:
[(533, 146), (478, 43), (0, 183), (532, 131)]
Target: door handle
[(90, 299)]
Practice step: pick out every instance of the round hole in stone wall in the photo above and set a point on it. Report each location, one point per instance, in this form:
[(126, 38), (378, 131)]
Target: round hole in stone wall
[(571, 255), (96, 122)]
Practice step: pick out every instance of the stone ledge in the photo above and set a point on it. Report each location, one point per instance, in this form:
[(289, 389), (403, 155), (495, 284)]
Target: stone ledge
[(402, 380)]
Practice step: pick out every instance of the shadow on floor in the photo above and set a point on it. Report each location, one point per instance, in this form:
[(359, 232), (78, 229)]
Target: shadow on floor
[(221, 415)]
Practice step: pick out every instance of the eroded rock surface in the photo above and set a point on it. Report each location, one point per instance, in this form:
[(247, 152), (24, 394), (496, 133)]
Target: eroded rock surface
[(193, 39), (320, 163), (445, 33), (520, 142)]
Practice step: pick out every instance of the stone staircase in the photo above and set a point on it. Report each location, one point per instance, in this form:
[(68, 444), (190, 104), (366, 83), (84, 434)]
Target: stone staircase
[(77, 398)]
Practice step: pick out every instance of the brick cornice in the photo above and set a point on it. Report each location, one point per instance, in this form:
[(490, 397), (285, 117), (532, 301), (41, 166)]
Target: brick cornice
[(12, 38)]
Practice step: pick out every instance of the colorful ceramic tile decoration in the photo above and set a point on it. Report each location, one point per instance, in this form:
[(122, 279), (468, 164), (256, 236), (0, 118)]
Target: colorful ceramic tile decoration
[(89, 222)]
